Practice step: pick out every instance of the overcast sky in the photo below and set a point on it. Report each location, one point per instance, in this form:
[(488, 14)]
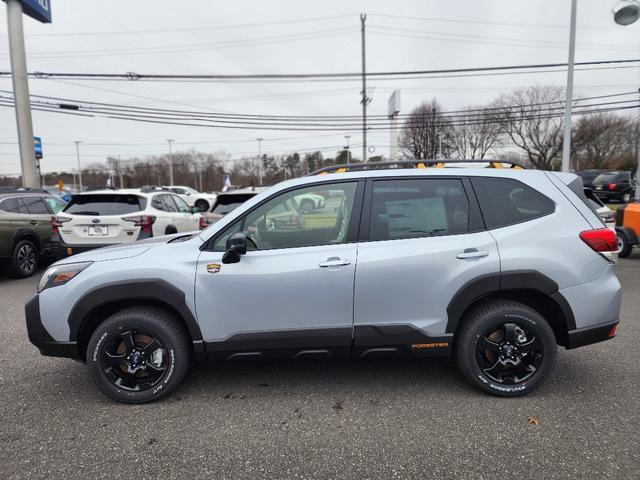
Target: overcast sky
[(248, 37)]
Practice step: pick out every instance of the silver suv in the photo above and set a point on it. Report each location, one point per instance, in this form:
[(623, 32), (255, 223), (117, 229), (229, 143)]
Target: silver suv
[(493, 266)]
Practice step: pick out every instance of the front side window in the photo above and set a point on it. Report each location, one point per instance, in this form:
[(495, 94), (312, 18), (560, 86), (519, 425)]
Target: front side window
[(505, 201), (414, 208), (181, 205), (281, 222), (35, 206)]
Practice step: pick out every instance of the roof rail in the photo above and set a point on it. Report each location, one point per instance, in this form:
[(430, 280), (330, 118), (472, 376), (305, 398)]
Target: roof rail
[(356, 167)]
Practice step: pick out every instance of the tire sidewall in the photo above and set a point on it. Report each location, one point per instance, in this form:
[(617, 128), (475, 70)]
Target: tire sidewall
[(107, 332), (522, 318)]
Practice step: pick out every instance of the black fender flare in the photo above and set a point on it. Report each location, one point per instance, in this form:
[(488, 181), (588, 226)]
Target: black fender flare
[(21, 234), (152, 289), (486, 285)]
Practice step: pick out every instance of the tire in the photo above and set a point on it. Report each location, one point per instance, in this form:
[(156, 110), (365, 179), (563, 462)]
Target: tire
[(110, 361), (24, 259), (485, 369), (307, 206), (624, 247), (626, 198), (202, 205), (170, 230)]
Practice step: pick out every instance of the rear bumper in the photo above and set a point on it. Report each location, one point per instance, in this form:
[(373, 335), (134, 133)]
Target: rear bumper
[(63, 250), (39, 336), (587, 336)]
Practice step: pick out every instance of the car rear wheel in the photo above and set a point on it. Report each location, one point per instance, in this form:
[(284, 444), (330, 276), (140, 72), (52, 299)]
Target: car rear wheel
[(626, 198), (624, 247), (202, 205), (24, 260), (138, 355), (505, 348)]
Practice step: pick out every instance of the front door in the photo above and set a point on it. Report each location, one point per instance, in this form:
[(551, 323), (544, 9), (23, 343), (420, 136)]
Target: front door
[(291, 294)]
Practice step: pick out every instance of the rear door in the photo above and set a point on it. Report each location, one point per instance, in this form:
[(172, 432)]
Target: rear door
[(99, 219), (39, 217), (422, 240), (185, 220)]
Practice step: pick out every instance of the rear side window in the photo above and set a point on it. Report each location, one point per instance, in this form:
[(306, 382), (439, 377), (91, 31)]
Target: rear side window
[(35, 206), (505, 201), (413, 208), (11, 205), (110, 204)]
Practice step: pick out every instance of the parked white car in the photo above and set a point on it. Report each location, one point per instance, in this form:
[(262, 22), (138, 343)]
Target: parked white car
[(204, 201), (101, 218)]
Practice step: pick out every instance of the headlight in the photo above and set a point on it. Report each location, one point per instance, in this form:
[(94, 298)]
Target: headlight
[(60, 274)]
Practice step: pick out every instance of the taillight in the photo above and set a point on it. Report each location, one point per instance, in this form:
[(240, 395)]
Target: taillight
[(143, 221), (603, 241), (614, 331), (56, 223), (204, 222), (612, 186)]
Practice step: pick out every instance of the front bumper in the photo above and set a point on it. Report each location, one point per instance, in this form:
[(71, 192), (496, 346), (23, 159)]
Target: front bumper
[(39, 336), (589, 335)]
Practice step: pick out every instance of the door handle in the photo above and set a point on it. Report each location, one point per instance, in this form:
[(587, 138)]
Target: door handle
[(472, 253), (334, 262), (33, 222)]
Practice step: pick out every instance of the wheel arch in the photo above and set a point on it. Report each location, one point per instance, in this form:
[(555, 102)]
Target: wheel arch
[(529, 287), (27, 234), (98, 304)]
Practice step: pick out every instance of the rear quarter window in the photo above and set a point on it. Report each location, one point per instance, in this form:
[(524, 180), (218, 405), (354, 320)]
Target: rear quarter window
[(105, 204), (505, 201)]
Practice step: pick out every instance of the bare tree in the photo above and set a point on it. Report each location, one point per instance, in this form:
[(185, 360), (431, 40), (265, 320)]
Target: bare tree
[(532, 119), (424, 135), (475, 132), (602, 139)]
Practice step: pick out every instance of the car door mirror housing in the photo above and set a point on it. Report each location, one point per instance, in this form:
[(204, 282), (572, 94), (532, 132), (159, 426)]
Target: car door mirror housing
[(236, 247), (194, 210)]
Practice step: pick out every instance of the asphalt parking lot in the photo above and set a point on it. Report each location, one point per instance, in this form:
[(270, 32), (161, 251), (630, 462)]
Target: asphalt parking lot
[(387, 419)]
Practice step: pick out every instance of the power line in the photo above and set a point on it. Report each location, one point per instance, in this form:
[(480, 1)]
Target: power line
[(306, 76)]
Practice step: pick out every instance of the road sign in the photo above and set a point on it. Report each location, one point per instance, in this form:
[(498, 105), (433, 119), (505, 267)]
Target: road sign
[(37, 147), (37, 9)]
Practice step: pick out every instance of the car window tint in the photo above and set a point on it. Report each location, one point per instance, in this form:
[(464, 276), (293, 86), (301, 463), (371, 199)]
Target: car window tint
[(54, 204), (105, 204), (505, 201), (220, 245), (35, 206), (9, 205), (413, 208), (279, 223), (158, 203), (181, 205), (169, 205)]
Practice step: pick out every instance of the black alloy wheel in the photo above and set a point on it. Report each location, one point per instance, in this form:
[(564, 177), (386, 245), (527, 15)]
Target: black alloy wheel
[(25, 259)]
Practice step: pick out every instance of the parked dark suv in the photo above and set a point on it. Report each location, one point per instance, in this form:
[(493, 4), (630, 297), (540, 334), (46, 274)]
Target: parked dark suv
[(25, 228), (616, 186), (588, 176)]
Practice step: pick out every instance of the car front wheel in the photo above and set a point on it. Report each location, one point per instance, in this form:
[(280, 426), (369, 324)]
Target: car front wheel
[(138, 355), (505, 348), (202, 205)]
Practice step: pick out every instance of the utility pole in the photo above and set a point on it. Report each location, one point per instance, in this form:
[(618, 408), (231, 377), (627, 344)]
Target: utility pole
[(365, 99), (637, 183), (78, 142), (347, 137), (170, 141), (30, 177), (120, 172), (260, 160), (566, 141)]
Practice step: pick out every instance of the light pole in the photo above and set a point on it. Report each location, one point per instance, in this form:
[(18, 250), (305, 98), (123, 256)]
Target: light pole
[(260, 139), (170, 141), (568, 102), (347, 137), (626, 13), (78, 142)]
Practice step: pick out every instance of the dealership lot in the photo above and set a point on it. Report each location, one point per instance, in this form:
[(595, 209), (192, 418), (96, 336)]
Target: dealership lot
[(323, 419)]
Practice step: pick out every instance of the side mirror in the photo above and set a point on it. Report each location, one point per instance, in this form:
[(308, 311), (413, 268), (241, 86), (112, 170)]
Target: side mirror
[(195, 209), (236, 247)]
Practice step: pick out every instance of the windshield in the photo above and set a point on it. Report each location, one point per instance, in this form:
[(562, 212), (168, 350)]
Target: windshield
[(105, 204)]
